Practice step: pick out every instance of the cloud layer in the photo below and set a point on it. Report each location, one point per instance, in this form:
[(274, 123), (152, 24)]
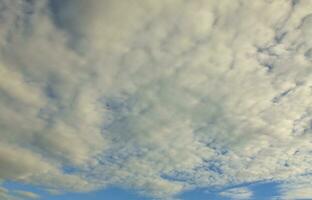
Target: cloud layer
[(159, 96)]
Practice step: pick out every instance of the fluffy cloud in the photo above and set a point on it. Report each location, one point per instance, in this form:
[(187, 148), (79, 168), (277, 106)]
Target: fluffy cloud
[(160, 96)]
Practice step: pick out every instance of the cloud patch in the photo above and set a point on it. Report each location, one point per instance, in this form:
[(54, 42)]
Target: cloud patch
[(237, 193)]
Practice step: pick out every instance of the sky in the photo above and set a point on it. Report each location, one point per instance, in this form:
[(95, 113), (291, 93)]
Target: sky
[(155, 100)]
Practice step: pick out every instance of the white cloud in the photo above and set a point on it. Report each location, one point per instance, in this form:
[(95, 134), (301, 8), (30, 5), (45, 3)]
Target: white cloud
[(26, 194), (159, 96), (237, 193), (298, 187), (6, 194)]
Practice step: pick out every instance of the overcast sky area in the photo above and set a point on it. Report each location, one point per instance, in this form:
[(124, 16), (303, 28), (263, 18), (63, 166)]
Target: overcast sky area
[(155, 99)]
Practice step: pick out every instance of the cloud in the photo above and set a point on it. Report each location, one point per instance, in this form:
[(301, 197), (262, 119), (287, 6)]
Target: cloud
[(27, 195), (297, 188), (237, 193), (158, 96), (17, 194)]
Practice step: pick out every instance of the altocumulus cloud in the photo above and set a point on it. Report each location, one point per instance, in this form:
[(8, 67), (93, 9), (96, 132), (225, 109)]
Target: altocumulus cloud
[(157, 96)]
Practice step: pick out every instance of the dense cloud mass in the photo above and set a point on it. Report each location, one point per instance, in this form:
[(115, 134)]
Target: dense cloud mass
[(159, 96)]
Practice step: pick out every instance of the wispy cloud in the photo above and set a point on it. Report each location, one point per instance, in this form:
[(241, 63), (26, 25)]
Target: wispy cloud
[(159, 96), (237, 193), (17, 195)]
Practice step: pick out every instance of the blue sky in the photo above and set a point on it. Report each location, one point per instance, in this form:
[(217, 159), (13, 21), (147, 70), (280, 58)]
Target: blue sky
[(146, 99)]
